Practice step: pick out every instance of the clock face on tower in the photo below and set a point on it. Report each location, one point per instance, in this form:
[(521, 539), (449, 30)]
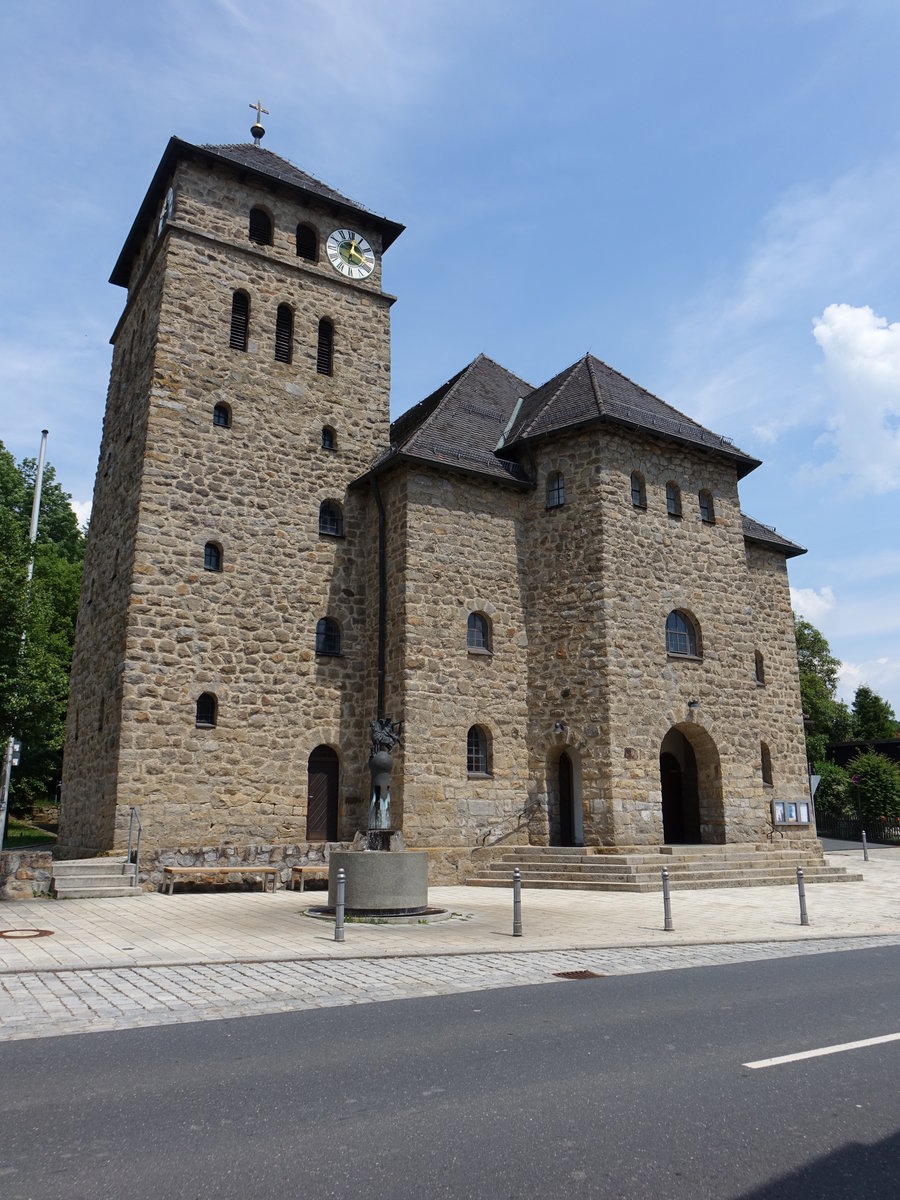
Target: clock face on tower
[(350, 253)]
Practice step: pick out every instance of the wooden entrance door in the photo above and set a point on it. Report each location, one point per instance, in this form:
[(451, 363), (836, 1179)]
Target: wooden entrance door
[(322, 796)]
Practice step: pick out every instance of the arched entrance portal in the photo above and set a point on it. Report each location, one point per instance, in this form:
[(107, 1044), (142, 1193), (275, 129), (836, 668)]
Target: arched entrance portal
[(322, 796), (566, 825), (691, 785)]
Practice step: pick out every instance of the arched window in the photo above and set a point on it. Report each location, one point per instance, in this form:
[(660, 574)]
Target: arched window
[(707, 511), (307, 243), (478, 748), (673, 499), (240, 321), (212, 557), (765, 762), (284, 333), (207, 710), (681, 637), (328, 637), (222, 415), (638, 490), (331, 519), (556, 490), (260, 227), (478, 632), (759, 667), (329, 438), (325, 347)]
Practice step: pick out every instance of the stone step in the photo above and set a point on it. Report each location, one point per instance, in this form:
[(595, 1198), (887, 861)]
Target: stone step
[(94, 878), (91, 866), (68, 891)]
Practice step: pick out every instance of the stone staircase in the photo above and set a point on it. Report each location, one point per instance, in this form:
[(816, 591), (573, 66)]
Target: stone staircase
[(94, 878), (639, 869)]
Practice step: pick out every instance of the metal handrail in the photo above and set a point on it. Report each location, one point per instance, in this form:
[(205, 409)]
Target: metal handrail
[(134, 816)]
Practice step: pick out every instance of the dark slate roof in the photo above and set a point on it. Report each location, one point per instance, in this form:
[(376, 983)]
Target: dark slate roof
[(764, 535), (252, 160), (590, 390), (460, 424)]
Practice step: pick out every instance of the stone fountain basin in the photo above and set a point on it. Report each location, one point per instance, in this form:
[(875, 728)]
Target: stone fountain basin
[(391, 883)]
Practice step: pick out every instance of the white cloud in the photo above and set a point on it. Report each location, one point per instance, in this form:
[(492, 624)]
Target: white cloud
[(740, 358), (862, 372), (882, 675), (82, 510), (812, 604)]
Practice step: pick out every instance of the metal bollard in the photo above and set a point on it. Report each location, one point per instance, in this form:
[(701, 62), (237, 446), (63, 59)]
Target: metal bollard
[(668, 926), (865, 847), (517, 902), (804, 918), (339, 905)]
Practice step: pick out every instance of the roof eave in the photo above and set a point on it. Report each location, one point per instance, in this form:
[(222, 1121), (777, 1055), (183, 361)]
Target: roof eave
[(403, 456)]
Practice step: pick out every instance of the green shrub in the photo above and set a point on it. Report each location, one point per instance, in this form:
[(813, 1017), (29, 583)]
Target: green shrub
[(876, 793)]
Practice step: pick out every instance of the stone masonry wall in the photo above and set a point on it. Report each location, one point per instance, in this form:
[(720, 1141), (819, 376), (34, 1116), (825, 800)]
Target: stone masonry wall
[(90, 761), (461, 556)]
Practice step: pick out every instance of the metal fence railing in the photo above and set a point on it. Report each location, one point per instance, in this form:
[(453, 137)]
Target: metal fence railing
[(851, 830)]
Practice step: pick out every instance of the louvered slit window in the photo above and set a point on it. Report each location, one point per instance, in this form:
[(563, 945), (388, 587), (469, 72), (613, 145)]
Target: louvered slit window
[(240, 320), (325, 347), (260, 227), (284, 333), (307, 243)]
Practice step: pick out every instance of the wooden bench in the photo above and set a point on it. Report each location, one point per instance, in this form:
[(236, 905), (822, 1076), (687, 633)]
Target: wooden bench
[(267, 873), (311, 871)]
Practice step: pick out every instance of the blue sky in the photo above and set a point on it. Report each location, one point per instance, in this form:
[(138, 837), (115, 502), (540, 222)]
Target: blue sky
[(704, 195)]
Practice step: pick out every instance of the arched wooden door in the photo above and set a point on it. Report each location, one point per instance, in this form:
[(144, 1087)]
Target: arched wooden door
[(322, 796)]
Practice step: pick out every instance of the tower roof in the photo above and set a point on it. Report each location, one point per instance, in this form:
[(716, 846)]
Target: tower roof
[(458, 424), (249, 160), (589, 391)]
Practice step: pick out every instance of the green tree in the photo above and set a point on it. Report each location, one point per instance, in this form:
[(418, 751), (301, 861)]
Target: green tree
[(875, 788), (34, 672), (827, 719), (873, 717), (834, 795)]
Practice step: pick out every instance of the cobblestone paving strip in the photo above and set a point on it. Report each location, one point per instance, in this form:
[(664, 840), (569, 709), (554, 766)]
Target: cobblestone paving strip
[(52, 1003)]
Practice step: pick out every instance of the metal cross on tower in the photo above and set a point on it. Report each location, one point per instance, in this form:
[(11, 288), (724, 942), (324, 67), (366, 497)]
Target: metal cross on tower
[(256, 128)]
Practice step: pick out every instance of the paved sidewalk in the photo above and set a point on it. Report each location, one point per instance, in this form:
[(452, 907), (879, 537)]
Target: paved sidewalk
[(154, 959)]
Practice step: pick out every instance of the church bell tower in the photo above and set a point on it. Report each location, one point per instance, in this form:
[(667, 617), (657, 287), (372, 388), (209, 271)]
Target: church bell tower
[(223, 673)]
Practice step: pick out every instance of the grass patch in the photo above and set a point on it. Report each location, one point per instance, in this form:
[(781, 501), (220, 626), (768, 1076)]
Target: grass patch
[(20, 835)]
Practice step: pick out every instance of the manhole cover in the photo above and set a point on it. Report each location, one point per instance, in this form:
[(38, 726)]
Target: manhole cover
[(25, 933), (578, 975)]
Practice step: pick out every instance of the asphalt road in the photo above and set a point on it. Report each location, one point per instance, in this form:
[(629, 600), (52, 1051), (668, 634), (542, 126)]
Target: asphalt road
[(631, 1086)]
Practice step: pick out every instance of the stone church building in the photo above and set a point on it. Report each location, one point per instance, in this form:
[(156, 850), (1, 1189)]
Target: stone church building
[(553, 587)]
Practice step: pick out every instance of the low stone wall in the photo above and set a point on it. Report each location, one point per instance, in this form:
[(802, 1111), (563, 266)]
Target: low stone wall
[(25, 874), (264, 855)]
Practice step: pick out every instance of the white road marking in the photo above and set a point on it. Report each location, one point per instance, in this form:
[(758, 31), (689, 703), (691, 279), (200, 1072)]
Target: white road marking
[(822, 1051)]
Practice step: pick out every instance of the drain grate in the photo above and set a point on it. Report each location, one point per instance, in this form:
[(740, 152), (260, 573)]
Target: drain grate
[(25, 933), (578, 975)]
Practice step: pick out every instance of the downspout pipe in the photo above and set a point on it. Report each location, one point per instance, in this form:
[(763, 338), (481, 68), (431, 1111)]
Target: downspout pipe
[(382, 593)]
